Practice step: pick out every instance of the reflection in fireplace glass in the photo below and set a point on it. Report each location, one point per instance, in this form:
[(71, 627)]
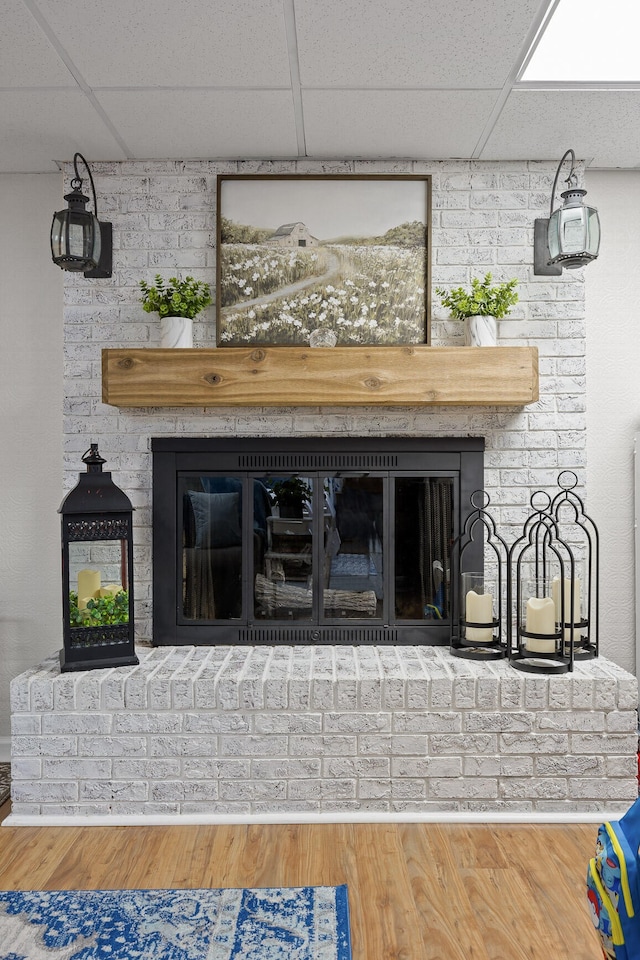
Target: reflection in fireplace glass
[(424, 535), (349, 573), (353, 547), (294, 577), (212, 555)]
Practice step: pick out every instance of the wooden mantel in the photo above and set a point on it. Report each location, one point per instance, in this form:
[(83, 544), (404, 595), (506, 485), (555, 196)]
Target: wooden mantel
[(320, 376)]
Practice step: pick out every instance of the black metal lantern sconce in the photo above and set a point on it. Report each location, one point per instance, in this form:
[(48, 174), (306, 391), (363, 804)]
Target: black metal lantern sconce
[(546, 595), (79, 241), (579, 530), (97, 572), (570, 237), (477, 622)]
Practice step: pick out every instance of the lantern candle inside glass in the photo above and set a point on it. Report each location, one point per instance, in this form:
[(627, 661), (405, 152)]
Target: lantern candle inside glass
[(573, 604), (538, 617), (98, 587), (479, 595)]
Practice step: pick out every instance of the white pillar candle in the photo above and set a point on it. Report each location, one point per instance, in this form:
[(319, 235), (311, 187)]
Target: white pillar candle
[(110, 590), (88, 583), (541, 618), (479, 609), (555, 593)]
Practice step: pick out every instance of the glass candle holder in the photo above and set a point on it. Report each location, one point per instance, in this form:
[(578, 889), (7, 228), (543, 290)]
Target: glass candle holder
[(479, 607)]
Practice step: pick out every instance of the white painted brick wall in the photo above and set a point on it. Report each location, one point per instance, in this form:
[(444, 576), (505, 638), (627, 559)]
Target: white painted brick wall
[(405, 730), (163, 215), (188, 740)]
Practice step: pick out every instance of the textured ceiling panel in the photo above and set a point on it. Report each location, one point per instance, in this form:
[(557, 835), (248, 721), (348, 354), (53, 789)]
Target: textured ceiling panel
[(468, 43), (192, 43), (601, 126), (287, 78), (394, 123), (27, 58), (40, 127), (194, 124)]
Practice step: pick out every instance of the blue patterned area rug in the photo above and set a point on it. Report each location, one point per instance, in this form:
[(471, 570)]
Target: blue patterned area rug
[(303, 923)]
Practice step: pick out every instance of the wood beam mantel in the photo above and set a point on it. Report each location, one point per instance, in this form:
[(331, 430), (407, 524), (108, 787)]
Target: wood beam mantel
[(320, 376)]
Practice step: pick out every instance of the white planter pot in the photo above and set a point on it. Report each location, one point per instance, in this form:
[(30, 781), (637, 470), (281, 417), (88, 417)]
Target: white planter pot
[(480, 331), (176, 332)]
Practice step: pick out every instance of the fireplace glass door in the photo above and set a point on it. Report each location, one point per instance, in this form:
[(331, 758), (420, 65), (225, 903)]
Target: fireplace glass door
[(342, 547), (316, 548)]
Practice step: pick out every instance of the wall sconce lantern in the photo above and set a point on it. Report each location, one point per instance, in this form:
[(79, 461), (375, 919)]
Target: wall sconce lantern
[(79, 241), (571, 236), (480, 605), (97, 572), (547, 595)]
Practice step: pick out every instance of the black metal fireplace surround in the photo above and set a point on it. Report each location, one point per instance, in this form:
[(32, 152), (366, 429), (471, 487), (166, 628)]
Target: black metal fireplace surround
[(309, 540)]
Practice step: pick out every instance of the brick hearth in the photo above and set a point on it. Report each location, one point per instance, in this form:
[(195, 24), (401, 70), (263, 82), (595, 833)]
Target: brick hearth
[(259, 732)]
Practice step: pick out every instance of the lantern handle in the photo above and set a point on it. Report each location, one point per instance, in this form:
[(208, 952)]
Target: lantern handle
[(93, 459), (480, 499), (78, 180), (571, 179)]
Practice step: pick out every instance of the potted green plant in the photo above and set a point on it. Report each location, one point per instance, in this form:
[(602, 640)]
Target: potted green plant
[(291, 494), (177, 301), (480, 308)]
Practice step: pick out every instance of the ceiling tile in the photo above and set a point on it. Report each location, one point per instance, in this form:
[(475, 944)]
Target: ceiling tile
[(601, 126), (27, 59), (357, 43), (40, 127), (193, 124), (169, 43), (394, 123)]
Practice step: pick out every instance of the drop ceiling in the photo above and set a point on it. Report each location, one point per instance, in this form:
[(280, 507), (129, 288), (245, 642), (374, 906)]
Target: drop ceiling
[(229, 79)]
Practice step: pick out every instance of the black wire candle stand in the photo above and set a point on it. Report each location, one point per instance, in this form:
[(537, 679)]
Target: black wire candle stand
[(541, 644), (587, 645), (479, 639)]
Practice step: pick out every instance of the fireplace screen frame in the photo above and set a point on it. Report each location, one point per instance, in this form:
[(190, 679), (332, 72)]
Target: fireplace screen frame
[(174, 458)]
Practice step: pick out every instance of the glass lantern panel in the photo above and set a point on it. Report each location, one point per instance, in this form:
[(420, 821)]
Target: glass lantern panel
[(98, 587), (593, 232), (76, 234), (423, 539), (573, 230), (58, 231)]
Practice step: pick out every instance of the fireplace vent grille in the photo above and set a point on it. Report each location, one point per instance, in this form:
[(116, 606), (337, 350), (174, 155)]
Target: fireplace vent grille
[(309, 635), (318, 461)]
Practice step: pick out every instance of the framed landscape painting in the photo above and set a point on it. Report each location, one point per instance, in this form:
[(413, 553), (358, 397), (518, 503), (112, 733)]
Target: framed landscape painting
[(323, 260)]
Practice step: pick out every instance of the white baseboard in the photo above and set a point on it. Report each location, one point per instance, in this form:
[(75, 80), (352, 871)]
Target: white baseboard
[(176, 820), (5, 749)]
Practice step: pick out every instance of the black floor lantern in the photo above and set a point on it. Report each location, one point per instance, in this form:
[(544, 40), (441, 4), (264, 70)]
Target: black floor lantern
[(97, 572), (477, 624)]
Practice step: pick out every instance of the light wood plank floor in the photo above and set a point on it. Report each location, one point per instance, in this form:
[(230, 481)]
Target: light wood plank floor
[(416, 891)]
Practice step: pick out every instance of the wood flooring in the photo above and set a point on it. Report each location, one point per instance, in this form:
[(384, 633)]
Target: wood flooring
[(416, 891)]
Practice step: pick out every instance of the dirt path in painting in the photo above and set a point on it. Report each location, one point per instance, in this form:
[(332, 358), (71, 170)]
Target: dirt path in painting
[(334, 264)]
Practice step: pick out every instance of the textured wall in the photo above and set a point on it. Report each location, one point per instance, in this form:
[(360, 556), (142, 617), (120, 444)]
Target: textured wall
[(30, 428), (613, 408), (164, 219)]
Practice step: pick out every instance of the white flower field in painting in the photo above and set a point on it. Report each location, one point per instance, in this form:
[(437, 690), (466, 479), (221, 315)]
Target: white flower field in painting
[(365, 294)]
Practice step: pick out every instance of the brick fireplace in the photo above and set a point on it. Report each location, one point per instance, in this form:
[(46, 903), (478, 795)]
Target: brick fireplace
[(320, 731)]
